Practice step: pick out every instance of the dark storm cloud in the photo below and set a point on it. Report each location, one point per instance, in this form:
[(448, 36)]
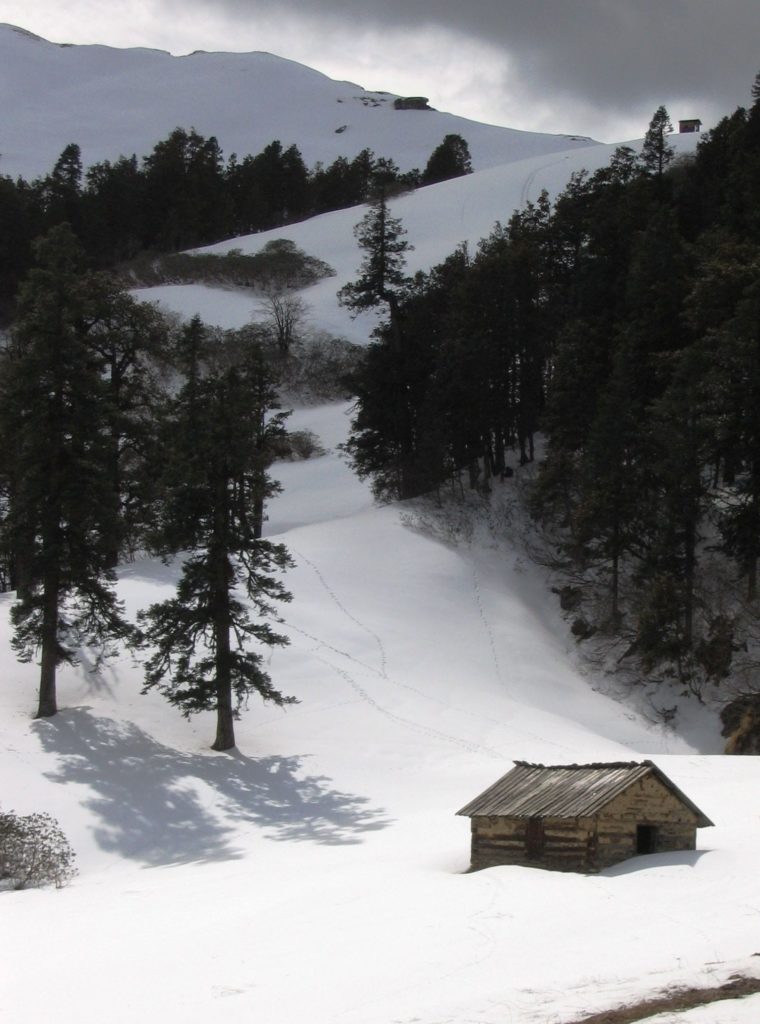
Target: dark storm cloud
[(607, 54)]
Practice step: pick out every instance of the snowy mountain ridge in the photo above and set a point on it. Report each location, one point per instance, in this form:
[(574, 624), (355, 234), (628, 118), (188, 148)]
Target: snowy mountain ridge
[(116, 102)]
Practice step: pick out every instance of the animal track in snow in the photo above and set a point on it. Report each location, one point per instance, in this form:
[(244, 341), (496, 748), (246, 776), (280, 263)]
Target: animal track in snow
[(382, 672), (334, 597)]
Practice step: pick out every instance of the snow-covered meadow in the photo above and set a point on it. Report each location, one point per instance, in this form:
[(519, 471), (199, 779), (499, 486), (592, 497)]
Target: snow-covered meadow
[(319, 874)]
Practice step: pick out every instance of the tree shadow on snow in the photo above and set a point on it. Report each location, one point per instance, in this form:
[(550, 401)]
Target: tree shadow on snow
[(162, 806)]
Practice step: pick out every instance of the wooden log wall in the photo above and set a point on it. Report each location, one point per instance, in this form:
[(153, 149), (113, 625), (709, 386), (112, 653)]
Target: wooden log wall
[(568, 843)]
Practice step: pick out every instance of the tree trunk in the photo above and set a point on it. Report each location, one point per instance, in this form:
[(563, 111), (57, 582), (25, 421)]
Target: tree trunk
[(689, 574), (258, 515), (752, 579), (395, 322), (752, 554), (220, 568), (21, 556), (499, 454), (225, 728), (49, 638), (616, 573), (225, 721), (114, 476)]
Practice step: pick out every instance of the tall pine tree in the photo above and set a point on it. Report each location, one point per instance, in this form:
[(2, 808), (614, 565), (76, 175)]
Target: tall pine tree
[(61, 521), (657, 152), (381, 278), (222, 429)]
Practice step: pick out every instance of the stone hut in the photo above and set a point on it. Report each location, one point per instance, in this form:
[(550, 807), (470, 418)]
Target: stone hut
[(580, 817), (689, 125)]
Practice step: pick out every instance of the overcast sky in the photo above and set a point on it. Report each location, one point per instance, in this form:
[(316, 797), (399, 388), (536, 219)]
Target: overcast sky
[(591, 67)]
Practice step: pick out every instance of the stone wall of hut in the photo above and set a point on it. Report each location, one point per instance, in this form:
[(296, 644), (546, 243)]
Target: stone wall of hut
[(645, 802)]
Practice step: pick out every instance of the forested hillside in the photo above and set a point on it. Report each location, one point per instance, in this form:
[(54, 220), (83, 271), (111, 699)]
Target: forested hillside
[(128, 432), (184, 193), (620, 323)]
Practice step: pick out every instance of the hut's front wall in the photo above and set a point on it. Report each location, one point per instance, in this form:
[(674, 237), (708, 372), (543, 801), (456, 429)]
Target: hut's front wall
[(564, 844), (619, 840), (650, 804)]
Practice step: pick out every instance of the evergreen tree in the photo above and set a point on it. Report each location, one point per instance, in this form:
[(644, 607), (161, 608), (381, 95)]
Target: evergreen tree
[(391, 440), (216, 481), (381, 274), (191, 353), (624, 469), (657, 152), (614, 474), (528, 261), (61, 520), (381, 283), (269, 189), (62, 189), (736, 374), (451, 159), (679, 436), (113, 211), (360, 176), (130, 341), (656, 287), (17, 216), (184, 192)]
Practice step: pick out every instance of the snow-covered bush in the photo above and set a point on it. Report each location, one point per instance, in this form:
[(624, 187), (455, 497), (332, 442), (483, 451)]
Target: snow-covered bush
[(301, 444), (318, 368), (279, 264), (34, 851)]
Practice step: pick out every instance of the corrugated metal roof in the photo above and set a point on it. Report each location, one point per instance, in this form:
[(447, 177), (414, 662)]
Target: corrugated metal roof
[(566, 790)]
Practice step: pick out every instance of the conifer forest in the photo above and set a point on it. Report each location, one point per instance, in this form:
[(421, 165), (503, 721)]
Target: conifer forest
[(613, 338)]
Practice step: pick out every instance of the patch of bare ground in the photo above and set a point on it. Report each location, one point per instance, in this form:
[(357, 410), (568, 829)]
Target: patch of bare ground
[(675, 999)]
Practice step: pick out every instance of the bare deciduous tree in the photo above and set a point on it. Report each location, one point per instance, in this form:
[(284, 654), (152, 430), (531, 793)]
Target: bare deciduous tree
[(285, 314)]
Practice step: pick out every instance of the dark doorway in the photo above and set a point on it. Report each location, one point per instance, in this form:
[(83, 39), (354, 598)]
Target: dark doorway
[(646, 839), (534, 838)]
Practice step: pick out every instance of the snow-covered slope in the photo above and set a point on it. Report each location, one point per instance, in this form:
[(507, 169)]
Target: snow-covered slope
[(319, 873), (113, 102)]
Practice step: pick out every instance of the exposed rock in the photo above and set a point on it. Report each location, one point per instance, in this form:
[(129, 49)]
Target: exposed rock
[(741, 724), (570, 598), (411, 103), (715, 651), (581, 629)]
